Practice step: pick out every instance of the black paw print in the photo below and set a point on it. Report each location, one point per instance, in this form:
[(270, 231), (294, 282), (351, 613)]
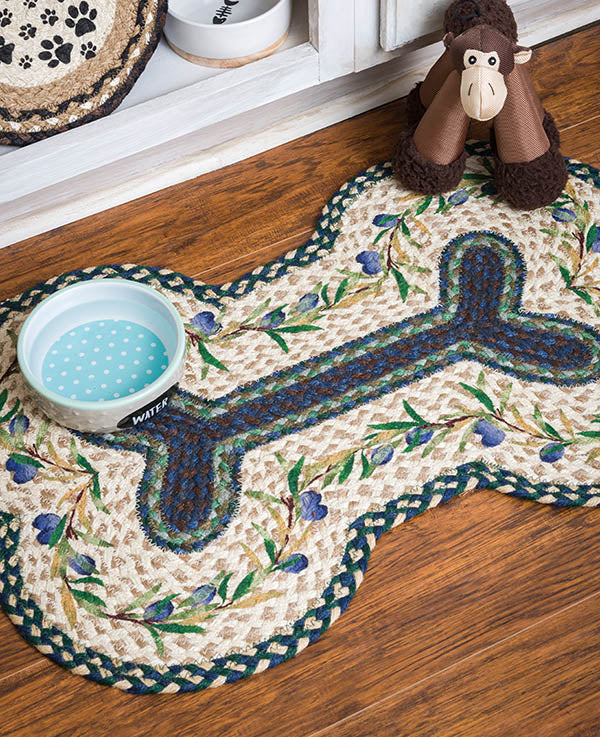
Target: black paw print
[(49, 17), (27, 31), (5, 17), (56, 51), (30, 3), (89, 50), (81, 18), (6, 51), (25, 62)]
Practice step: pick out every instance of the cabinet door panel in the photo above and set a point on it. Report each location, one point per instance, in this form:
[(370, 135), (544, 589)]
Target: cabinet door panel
[(403, 21)]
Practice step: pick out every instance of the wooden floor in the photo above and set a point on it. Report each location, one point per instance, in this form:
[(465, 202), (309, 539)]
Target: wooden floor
[(494, 631)]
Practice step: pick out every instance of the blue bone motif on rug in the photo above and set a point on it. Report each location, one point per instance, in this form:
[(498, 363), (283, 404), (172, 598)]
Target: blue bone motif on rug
[(478, 318), (158, 572)]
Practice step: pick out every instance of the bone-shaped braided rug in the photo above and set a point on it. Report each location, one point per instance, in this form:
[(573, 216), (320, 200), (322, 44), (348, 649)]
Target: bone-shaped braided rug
[(415, 348)]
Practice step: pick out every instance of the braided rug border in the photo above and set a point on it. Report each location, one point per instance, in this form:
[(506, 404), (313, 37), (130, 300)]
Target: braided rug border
[(363, 532), (21, 139)]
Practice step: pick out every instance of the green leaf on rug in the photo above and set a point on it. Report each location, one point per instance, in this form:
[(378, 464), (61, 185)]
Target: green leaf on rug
[(208, 357), (243, 586), (479, 395), (278, 339), (403, 285), (58, 531), (346, 468)]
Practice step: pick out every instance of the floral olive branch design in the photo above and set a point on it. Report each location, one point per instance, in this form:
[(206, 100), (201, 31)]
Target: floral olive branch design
[(580, 241), (492, 422)]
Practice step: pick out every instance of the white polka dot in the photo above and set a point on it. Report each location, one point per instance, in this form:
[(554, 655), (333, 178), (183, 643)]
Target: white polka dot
[(148, 371), (101, 324), (128, 327), (60, 388), (84, 341), (111, 345), (134, 376), (138, 348), (163, 367), (119, 381), (67, 359), (87, 330), (76, 381), (125, 340), (102, 386), (151, 358), (81, 355), (113, 332), (99, 337), (140, 335), (106, 371), (49, 379), (131, 390), (93, 363), (152, 345), (63, 373), (69, 346), (123, 353), (109, 358), (96, 350), (73, 396), (78, 368), (116, 395), (73, 333), (88, 391), (52, 365), (54, 352), (91, 376), (136, 362), (121, 366)]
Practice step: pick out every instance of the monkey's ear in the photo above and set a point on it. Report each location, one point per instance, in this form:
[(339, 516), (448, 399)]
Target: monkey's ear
[(448, 38), (522, 54)]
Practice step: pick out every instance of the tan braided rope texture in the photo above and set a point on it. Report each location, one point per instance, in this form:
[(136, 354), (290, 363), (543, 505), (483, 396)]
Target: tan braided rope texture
[(66, 62), (274, 580)]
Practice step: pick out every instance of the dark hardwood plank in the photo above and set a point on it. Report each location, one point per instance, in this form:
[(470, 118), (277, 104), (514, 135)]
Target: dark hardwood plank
[(453, 581), (542, 682)]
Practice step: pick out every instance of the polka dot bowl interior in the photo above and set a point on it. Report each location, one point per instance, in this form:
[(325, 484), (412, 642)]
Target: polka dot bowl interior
[(97, 352)]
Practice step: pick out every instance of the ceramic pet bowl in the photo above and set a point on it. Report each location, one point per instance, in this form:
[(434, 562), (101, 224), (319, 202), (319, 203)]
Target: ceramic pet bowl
[(227, 33), (102, 354)]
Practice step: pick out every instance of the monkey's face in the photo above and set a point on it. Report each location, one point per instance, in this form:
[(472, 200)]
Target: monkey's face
[(484, 58), (482, 88)]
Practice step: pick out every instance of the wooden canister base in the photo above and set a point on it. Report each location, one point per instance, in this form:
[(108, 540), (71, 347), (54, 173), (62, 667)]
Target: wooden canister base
[(229, 63)]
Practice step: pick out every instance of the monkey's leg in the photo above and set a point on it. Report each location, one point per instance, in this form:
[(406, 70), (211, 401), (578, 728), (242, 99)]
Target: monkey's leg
[(530, 171), (432, 159), (421, 96)]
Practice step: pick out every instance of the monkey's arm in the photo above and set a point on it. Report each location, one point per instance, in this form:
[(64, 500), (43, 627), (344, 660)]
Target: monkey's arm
[(440, 136), (435, 78), (518, 127)]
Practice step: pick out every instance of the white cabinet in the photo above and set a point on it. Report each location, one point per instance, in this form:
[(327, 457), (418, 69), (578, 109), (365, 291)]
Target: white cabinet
[(342, 57)]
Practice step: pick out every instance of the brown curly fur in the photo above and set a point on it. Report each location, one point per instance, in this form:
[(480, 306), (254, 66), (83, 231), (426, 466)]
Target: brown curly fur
[(421, 175), (495, 13), (536, 183)]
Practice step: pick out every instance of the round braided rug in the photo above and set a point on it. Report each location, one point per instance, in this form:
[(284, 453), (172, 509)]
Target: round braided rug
[(413, 349), (66, 62)]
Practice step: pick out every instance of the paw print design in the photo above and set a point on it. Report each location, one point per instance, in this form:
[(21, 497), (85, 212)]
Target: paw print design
[(88, 50), (49, 17), (29, 4), (5, 17), (81, 18), (27, 31), (25, 62), (57, 51), (6, 51)]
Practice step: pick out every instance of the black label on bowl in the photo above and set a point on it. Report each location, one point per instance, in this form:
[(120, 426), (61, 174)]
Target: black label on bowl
[(145, 413)]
